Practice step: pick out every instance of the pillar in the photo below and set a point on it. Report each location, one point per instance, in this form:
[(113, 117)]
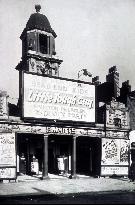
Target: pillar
[(45, 158), (73, 168), (28, 164)]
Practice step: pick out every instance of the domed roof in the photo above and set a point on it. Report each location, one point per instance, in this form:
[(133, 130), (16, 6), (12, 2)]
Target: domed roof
[(39, 21)]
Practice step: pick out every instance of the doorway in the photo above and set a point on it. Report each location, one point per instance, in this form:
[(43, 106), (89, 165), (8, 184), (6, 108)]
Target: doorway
[(88, 160), (59, 154), (29, 153)]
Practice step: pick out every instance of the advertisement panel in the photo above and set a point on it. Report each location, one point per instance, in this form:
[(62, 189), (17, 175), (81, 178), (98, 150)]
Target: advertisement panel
[(8, 173), (116, 134), (7, 149), (115, 152), (115, 156), (54, 98), (3, 106), (114, 170), (116, 115), (7, 156)]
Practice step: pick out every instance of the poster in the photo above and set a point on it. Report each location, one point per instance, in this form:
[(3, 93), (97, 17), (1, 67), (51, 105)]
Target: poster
[(7, 173), (115, 152), (7, 149), (7, 156), (110, 151)]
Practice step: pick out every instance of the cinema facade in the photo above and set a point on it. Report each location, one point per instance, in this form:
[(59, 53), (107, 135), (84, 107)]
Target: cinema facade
[(56, 130)]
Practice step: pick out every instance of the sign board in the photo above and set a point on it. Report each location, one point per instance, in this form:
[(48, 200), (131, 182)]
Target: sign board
[(55, 98), (8, 173), (35, 167), (116, 134), (7, 149), (110, 170), (117, 115), (60, 162), (111, 115), (38, 129), (7, 155), (3, 106), (115, 152)]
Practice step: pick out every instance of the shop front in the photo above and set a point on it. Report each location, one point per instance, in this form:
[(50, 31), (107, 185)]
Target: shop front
[(39, 151)]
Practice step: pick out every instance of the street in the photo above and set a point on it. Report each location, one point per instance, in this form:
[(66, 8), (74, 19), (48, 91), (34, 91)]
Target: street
[(78, 198)]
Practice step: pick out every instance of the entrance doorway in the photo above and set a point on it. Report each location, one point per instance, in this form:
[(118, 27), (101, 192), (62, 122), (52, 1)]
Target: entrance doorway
[(88, 160), (29, 153), (59, 154)]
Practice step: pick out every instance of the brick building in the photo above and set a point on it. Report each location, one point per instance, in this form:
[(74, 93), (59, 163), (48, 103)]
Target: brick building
[(58, 126)]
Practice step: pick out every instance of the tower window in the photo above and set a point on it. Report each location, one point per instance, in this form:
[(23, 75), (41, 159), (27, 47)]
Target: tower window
[(117, 122), (43, 43)]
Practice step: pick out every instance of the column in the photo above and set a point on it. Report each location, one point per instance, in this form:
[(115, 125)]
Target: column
[(28, 164), (45, 158), (73, 169)]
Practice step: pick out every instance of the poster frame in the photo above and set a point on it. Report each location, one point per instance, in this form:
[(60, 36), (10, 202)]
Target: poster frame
[(115, 165), (10, 166)]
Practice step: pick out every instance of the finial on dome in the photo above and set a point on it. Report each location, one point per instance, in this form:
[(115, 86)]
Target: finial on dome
[(37, 7)]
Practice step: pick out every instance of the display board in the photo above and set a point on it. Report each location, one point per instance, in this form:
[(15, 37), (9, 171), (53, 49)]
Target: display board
[(3, 106), (7, 149), (115, 152), (56, 98), (115, 156), (7, 155), (117, 170), (8, 173)]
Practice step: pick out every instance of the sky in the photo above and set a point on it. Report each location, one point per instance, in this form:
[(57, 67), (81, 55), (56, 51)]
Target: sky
[(91, 34)]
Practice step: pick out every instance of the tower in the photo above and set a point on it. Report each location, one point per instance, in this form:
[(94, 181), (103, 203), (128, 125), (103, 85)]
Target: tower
[(38, 49), (113, 78), (38, 46)]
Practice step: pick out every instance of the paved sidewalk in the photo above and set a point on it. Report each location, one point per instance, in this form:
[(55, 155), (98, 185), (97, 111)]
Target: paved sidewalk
[(65, 186)]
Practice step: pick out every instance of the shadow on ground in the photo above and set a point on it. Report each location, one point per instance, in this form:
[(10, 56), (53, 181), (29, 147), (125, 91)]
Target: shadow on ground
[(43, 197)]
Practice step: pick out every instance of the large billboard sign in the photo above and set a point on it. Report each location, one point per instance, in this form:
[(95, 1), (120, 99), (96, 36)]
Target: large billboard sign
[(55, 98)]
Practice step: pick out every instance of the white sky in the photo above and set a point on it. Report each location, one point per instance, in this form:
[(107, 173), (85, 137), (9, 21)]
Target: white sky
[(91, 34)]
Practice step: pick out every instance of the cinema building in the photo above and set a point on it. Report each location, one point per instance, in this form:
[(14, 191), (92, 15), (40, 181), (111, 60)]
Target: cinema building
[(58, 126)]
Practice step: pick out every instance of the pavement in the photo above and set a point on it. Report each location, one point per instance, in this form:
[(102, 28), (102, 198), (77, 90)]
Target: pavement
[(27, 185)]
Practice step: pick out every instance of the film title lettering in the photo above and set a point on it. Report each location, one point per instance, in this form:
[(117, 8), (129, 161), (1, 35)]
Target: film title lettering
[(52, 98)]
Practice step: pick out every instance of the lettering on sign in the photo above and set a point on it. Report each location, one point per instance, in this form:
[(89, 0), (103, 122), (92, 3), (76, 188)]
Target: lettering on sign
[(60, 130), (50, 130), (51, 98)]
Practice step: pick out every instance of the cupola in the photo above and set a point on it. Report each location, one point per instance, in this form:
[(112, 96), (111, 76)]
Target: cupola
[(38, 46)]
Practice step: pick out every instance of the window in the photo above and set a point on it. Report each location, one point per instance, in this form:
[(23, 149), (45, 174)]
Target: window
[(117, 122), (43, 44)]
